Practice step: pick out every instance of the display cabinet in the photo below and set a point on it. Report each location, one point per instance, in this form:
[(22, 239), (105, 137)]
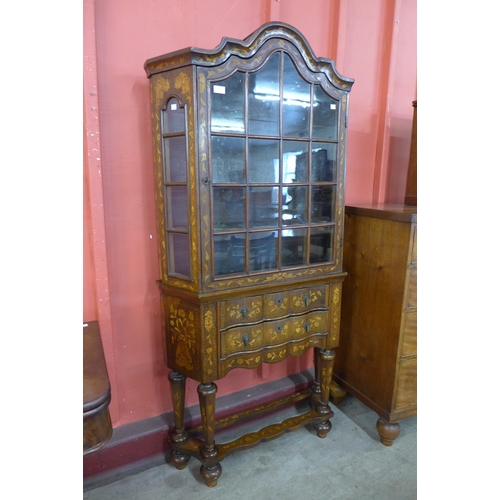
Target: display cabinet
[(249, 159)]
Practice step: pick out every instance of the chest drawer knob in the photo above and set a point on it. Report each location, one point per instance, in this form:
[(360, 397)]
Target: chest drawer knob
[(245, 339), (279, 301), (244, 311), (306, 300), (307, 326), (279, 329)]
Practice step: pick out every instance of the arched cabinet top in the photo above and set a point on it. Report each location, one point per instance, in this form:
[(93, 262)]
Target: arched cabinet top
[(269, 37)]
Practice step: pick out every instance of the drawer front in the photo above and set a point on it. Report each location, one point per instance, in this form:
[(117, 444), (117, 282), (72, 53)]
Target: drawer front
[(253, 337), (411, 300), (409, 337), (281, 304), (281, 331), (406, 393), (414, 247), (241, 339), (241, 311)]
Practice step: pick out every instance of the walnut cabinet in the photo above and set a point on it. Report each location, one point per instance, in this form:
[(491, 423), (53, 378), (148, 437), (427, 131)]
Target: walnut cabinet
[(249, 162), (377, 356)]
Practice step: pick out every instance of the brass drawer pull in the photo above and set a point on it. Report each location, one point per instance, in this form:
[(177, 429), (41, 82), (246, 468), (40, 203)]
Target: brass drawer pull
[(245, 339), (244, 311), (306, 300)]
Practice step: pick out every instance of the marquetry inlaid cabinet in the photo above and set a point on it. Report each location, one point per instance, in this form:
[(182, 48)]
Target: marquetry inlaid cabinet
[(377, 356), (249, 159)]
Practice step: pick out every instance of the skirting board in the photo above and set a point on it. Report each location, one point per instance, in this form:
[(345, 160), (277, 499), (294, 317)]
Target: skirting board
[(144, 444)]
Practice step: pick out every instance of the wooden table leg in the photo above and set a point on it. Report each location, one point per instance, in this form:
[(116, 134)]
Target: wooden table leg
[(210, 471), (324, 369), (179, 436)]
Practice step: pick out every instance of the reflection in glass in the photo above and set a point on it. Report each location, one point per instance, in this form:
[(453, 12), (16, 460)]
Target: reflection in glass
[(228, 104), (324, 162), (322, 204), (293, 247), (296, 102), (176, 198), (228, 159), (294, 199), (263, 250), (263, 99), (325, 115), (321, 244), (174, 159), (172, 118), (263, 206), (229, 254), (295, 161), (263, 163), (179, 255), (229, 208)]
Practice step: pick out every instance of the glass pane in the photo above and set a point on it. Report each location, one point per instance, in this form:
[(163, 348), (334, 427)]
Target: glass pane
[(295, 161), (323, 204), (177, 207), (173, 118), (228, 104), (325, 115), (179, 254), (229, 208), (294, 200), (229, 254), (264, 207), (324, 162), (321, 244), (263, 99), (228, 159), (296, 102), (293, 247), (263, 161), (263, 250), (174, 158)]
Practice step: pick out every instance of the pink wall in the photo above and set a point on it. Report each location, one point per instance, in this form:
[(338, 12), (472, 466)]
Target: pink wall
[(120, 230)]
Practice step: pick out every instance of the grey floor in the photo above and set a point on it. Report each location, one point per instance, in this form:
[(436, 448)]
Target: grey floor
[(350, 463)]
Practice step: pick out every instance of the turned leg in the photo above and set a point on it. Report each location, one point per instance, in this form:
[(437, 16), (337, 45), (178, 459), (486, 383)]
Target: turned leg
[(210, 471), (179, 436), (387, 431), (324, 369), (336, 392)]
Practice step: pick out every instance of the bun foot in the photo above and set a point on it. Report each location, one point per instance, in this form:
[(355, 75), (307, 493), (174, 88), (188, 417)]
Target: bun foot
[(210, 474), (337, 393), (179, 459), (323, 428), (388, 432)]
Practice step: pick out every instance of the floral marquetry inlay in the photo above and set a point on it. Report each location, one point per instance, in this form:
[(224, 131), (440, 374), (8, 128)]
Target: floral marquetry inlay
[(183, 335)]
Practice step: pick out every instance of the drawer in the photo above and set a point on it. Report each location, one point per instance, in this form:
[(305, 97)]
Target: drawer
[(411, 298), (406, 393), (241, 339), (249, 338), (281, 331), (409, 334), (238, 311), (281, 304), (414, 247)]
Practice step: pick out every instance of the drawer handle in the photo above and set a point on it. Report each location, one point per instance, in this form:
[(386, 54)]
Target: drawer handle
[(279, 301), (246, 339), (307, 326), (244, 311), (279, 329), (306, 300)]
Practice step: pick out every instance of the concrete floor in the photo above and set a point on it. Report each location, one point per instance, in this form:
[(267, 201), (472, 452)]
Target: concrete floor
[(349, 464)]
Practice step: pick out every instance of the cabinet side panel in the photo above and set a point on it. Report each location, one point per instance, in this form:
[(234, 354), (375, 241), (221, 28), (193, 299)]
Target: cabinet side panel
[(375, 258)]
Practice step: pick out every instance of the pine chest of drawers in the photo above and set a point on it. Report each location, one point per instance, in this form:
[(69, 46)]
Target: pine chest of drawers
[(377, 356)]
